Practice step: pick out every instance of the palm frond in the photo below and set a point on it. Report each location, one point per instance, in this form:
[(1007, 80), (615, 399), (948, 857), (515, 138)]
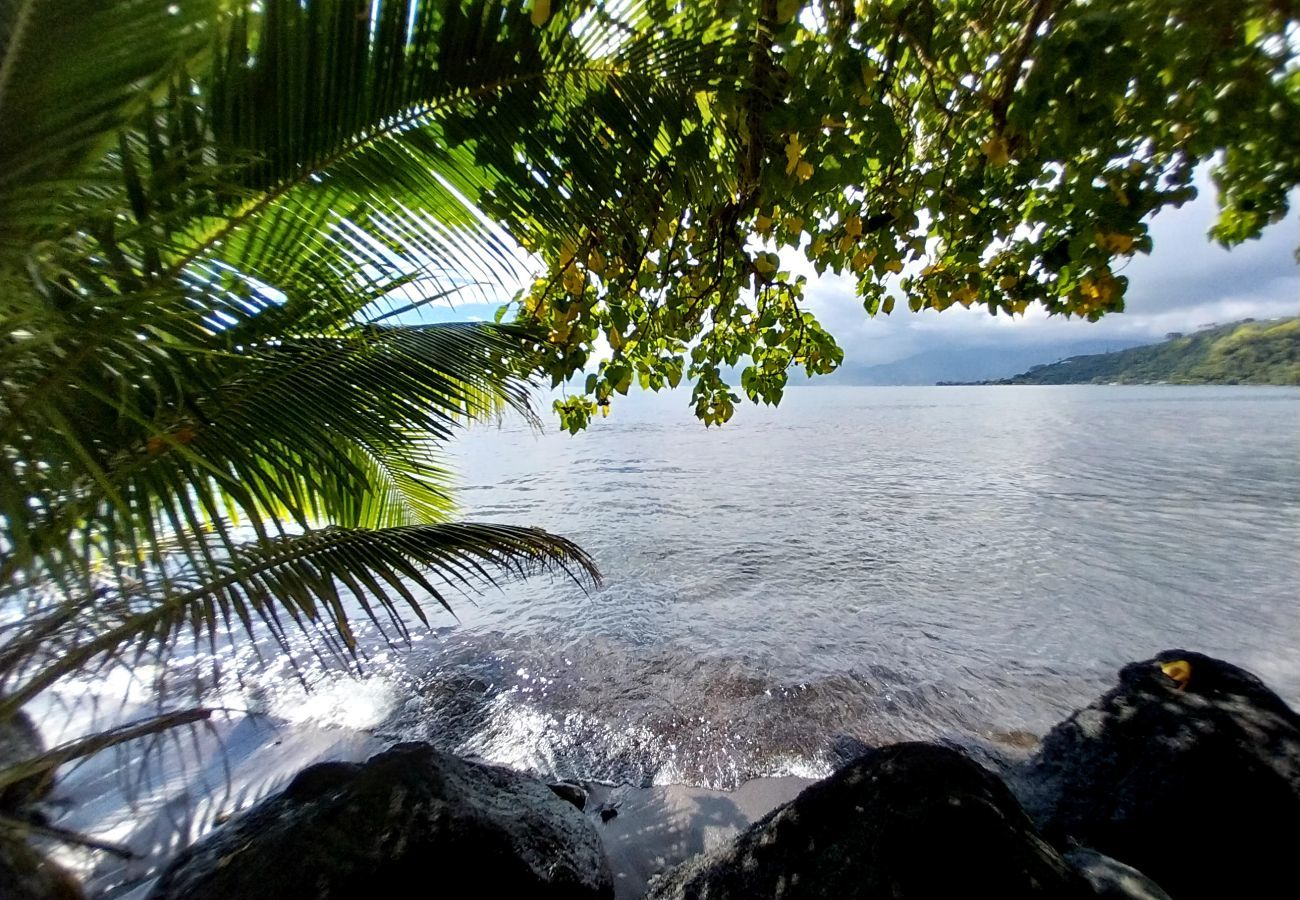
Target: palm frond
[(71, 75), (313, 165), (337, 429), (206, 211), (318, 583)]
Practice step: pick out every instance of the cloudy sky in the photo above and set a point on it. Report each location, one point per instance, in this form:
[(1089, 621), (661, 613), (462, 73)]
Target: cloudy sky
[(1186, 282)]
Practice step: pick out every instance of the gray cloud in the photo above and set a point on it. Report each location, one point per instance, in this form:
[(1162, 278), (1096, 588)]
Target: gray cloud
[(1187, 281)]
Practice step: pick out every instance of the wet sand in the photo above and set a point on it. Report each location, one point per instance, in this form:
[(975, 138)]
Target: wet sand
[(658, 827)]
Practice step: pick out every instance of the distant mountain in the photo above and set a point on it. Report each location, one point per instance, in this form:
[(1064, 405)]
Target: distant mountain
[(1248, 352), (968, 363)]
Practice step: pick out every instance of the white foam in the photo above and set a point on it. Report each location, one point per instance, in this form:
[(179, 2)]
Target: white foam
[(338, 701)]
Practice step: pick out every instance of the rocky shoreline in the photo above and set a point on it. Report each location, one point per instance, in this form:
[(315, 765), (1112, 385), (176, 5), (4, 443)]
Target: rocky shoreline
[(1181, 781)]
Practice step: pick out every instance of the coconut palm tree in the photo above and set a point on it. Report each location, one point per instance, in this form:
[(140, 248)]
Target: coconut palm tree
[(218, 220)]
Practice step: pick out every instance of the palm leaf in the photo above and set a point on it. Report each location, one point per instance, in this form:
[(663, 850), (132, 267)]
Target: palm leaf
[(206, 431), (318, 581), (339, 429), (316, 164)]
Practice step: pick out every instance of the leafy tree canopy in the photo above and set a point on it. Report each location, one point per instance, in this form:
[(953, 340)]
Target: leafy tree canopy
[(213, 214), (968, 152)]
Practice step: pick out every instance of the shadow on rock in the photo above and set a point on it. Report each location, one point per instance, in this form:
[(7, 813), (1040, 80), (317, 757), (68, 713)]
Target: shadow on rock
[(911, 820), (1188, 770), (404, 817)]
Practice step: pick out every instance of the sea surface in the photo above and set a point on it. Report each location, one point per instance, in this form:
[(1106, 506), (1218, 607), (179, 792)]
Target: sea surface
[(969, 563), (881, 563)]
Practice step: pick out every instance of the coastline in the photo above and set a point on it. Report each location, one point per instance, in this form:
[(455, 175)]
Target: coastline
[(244, 759)]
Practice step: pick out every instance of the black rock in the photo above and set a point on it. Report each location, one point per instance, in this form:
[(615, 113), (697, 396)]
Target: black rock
[(27, 875), (409, 816), (1111, 879), (20, 741), (915, 821), (846, 749), (1196, 784), (570, 793)]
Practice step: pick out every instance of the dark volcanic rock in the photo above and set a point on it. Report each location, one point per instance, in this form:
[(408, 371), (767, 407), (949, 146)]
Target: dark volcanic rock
[(907, 821), (1111, 879), (845, 749), (1197, 785), (407, 818), (570, 793), (20, 741), (26, 875)]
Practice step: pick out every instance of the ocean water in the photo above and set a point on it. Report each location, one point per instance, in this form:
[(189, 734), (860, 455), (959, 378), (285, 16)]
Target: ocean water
[(881, 563), (969, 563)]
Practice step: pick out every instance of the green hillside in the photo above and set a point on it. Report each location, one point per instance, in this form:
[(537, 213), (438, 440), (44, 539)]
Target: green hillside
[(1249, 352)]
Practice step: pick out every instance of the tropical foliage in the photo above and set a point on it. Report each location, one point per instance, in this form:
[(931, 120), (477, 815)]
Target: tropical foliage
[(1249, 352), (213, 219), (219, 217), (986, 154)]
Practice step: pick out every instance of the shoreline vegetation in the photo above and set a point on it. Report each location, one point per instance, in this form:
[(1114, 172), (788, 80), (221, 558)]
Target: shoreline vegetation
[(1245, 352), (224, 412)]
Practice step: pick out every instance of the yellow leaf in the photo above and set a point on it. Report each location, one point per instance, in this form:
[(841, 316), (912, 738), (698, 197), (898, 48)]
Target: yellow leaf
[(661, 233), (794, 224), (540, 12), (604, 411), (818, 247), (1008, 282), (615, 338), (894, 265), (862, 259), (965, 295), (1115, 242), (888, 305), (793, 153), (574, 281), (596, 261), (568, 249), (995, 148), (846, 242), (786, 10), (762, 224), (1100, 290), (831, 122), (853, 226), (1180, 670), (764, 264), (804, 170)]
